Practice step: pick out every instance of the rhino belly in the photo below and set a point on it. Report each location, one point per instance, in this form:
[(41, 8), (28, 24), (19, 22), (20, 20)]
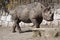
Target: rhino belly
[(26, 20)]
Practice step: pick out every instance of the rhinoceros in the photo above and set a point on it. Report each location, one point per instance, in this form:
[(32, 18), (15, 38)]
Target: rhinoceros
[(31, 13)]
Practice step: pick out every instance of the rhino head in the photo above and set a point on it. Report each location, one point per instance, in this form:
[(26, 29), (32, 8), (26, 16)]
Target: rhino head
[(48, 14)]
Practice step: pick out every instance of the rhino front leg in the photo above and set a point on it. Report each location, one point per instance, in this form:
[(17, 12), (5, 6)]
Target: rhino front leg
[(36, 25)]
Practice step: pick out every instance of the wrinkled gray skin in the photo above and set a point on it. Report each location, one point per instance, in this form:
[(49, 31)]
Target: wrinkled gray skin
[(31, 13)]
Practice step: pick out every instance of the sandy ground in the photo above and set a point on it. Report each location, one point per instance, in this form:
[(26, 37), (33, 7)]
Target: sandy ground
[(6, 34)]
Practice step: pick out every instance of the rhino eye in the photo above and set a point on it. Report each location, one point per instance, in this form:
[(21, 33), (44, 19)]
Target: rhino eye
[(50, 12)]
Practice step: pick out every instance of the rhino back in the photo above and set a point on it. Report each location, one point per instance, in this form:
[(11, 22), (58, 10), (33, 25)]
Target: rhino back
[(23, 12)]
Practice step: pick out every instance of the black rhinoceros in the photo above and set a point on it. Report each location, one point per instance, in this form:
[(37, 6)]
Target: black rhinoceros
[(31, 13)]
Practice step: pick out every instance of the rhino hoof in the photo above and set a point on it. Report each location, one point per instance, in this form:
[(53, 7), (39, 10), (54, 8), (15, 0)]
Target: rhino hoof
[(14, 31), (21, 32)]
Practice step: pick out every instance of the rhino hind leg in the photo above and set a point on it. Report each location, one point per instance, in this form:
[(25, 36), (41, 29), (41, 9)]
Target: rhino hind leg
[(16, 25)]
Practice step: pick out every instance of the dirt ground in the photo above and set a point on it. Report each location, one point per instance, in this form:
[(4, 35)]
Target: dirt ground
[(6, 34)]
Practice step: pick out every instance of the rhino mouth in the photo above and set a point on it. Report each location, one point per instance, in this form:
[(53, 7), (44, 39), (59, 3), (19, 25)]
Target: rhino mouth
[(50, 20)]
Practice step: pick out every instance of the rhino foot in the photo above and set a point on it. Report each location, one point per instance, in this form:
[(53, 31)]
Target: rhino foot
[(21, 32), (14, 31)]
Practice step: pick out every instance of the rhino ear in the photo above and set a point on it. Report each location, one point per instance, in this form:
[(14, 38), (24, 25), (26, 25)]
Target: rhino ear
[(47, 9)]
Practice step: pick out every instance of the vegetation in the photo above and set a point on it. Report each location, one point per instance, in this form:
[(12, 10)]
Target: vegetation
[(11, 4)]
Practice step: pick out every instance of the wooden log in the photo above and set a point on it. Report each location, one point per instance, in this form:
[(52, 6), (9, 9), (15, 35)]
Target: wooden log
[(47, 32), (45, 28)]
